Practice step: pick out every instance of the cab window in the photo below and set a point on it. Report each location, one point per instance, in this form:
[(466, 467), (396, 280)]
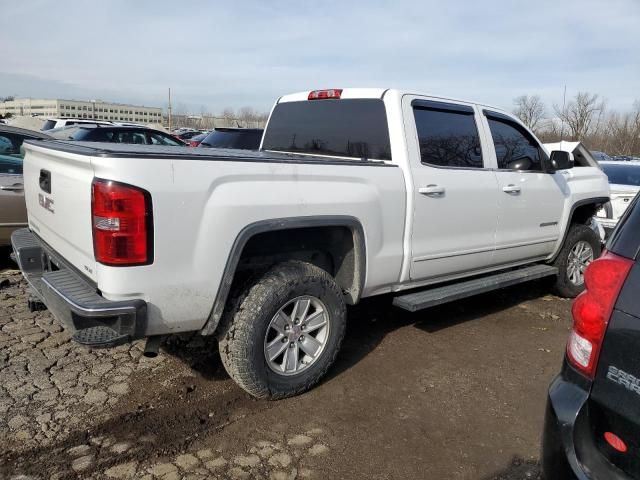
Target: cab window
[(447, 135), (516, 149)]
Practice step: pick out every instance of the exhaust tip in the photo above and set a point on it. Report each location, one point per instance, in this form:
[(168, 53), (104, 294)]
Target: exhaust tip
[(152, 346)]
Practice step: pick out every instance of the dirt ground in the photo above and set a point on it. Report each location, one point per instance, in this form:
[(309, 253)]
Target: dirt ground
[(454, 392)]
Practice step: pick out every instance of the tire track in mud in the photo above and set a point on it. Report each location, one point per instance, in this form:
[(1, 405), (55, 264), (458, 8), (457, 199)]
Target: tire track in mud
[(142, 427)]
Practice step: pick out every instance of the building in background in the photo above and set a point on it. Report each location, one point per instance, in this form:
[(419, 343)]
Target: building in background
[(94, 109)]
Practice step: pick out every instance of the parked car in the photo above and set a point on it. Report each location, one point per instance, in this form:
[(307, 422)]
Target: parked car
[(187, 135), (238, 138), (52, 123), (195, 141), (116, 134), (355, 193), (600, 156), (592, 423), (624, 182), (13, 211)]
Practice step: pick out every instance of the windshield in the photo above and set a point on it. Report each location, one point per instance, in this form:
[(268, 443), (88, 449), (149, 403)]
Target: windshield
[(623, 174), (345, 128), (239, 139)]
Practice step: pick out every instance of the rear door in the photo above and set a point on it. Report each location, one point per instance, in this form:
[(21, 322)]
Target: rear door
[(58, 195), (531, 202), (455, 193), (13, 212), (614, 405)]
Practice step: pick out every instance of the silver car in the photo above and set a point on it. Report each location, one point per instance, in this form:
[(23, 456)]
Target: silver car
[(13, 212)]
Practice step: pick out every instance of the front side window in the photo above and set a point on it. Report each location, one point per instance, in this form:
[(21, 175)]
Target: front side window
[(515, 148), (448, 138), (11, 154)]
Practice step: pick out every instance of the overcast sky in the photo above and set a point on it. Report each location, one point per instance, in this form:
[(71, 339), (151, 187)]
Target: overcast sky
[(247, 53)]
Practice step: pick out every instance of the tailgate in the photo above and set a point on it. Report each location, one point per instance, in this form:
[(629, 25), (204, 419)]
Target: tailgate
[(57, 188), (620, 201), (615, 397)]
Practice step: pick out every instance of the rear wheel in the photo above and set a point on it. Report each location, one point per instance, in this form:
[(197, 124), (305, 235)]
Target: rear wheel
[(284, 331), (580, 248)]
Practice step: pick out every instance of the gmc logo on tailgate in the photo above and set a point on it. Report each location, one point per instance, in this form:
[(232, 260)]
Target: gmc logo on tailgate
[(46, 202)]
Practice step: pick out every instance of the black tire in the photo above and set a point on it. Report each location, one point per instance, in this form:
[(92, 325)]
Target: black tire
[(245, 323), (577, 232)]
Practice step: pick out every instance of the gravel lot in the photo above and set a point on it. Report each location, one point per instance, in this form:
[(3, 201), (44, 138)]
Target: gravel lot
[(454, 392)]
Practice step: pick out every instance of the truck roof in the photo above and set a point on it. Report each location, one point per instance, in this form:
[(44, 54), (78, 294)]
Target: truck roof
[(352, 93)]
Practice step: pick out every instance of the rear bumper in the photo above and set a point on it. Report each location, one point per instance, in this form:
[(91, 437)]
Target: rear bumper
[(73, 300), (568, 449)]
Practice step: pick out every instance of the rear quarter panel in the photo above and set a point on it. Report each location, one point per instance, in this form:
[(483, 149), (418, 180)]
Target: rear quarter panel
[(200, 207)]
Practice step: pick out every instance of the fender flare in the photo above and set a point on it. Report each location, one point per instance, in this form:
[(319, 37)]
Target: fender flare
[(595, 201), (275, 224)]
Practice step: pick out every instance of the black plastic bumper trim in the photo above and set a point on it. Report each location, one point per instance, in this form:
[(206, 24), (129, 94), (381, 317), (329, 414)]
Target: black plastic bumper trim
[(73, 300)]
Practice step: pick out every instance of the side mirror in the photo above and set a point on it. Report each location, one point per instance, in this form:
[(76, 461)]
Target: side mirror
[(559, 160)]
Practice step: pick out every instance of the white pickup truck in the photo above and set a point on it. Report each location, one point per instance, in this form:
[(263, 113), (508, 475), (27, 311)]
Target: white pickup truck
[(354, 193)]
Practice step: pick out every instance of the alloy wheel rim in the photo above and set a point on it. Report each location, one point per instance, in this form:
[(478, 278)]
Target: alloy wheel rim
[(297, 335), (580, 256)]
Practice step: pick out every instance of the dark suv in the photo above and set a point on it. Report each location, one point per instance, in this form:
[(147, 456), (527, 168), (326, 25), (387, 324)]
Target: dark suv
[(237, 138), (592, 423), (116, 134)]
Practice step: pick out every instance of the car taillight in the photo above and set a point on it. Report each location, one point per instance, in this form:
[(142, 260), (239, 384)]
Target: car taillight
[(122, 223), (325, 94), (603, 279), (193, 143)]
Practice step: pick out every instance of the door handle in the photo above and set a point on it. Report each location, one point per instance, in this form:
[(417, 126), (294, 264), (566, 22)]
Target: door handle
[(16, 187), (432, 190), (511, 188)]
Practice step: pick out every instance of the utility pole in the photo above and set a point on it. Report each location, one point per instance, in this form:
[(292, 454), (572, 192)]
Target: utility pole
[(169, 109), (564, 106)]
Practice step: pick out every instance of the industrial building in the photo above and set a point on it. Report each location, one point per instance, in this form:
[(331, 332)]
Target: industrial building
[(93, 109)]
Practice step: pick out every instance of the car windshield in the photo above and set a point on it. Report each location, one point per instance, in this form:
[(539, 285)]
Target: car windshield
[(240, 139), (623, 174)]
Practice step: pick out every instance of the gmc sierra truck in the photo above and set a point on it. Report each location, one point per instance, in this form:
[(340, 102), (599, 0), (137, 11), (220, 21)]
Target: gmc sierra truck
[(353, 193)]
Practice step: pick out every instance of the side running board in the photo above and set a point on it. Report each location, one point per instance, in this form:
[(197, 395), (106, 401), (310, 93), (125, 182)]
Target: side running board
[(437, 295)]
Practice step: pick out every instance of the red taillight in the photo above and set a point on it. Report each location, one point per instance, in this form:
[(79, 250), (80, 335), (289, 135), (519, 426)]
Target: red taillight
[(616, 442), (193, 143), (121, 223), (603, 279), (325, 94)]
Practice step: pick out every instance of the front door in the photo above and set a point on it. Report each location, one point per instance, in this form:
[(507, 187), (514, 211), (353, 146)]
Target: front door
[(13, 211), (455, 196), (531, 202)]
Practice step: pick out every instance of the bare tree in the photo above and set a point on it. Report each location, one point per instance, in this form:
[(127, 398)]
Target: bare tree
[(580, 113), (530, 110)]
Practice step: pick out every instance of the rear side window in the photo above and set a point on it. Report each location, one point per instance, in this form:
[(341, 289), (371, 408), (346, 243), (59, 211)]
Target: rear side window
[(239, 139), (344, 128), (132, 137), (448, 137), (97, 135), (515, 148), (159, 139)]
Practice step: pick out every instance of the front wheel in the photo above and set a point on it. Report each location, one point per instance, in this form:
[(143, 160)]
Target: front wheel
[(284, 331), (580, 248)]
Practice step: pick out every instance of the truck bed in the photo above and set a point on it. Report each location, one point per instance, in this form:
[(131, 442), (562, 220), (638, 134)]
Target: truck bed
[(121, 150)]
